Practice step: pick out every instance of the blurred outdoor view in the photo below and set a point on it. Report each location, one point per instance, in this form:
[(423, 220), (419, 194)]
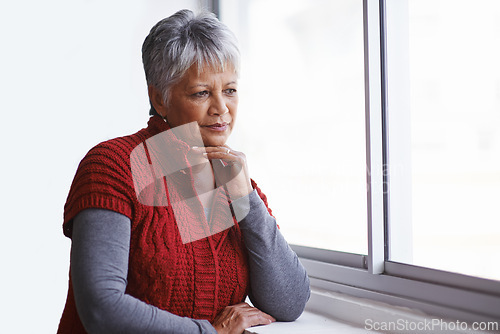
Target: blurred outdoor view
[(455, 134), (302, 124), (301, 119)]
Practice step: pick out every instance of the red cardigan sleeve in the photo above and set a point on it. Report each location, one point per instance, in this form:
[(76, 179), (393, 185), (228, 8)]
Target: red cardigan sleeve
[(103, 180)]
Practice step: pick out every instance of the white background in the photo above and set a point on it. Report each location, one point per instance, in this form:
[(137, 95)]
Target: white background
[(71, 76)]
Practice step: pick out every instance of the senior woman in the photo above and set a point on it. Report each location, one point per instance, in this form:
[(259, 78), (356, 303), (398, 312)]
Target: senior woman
[(143, 258)]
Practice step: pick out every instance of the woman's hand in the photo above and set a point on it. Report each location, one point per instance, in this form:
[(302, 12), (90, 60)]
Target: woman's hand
[(232, 172), (236, 318)]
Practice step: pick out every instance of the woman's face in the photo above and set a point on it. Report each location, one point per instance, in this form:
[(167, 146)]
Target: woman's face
[(209, 98)]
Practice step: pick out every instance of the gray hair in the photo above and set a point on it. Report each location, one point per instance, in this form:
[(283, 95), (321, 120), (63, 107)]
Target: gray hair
[(176, 43)]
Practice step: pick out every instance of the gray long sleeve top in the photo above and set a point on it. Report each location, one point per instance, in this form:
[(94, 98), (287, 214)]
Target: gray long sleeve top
[(279, 284)]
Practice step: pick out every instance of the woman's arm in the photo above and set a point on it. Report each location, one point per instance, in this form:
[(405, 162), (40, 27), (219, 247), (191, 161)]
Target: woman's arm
[(278, 281), (99, 265)]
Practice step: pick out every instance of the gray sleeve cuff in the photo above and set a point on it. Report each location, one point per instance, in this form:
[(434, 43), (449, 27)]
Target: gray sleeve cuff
[(249, 209), (241, 206)]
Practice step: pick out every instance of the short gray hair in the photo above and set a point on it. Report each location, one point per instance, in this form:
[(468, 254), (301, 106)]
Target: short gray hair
[(176, 43)]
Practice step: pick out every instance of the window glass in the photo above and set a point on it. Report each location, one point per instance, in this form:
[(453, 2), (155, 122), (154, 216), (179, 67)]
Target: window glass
[(301, 121), (452, 59)]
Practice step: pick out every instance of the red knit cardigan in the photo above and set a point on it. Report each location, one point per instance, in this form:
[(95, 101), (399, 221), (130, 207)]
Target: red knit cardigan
[(196, 279)]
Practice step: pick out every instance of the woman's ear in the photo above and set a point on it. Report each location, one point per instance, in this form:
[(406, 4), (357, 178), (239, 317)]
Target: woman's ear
[(156, 98)]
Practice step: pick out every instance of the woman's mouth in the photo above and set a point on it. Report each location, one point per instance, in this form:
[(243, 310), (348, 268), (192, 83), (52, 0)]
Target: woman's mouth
[(217, 126)]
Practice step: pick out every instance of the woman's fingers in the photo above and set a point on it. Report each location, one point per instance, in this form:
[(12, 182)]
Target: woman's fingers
[(220, 152), (236, 318), (198, 155), (230, 169)]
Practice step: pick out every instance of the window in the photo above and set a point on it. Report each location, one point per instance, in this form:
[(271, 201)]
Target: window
[(429, 138), (444, 117), (302, 110)]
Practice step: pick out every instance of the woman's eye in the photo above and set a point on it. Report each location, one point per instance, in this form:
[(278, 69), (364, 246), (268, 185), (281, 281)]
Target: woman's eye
[(201, 94), (230, 91)]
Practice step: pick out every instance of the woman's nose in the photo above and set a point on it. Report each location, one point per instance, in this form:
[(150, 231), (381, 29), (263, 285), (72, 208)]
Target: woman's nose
[(218, 106)]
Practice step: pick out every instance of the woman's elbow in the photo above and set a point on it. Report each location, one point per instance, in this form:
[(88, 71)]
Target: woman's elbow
[(295, 307), (93, 321), (300, 306), (100, 317)]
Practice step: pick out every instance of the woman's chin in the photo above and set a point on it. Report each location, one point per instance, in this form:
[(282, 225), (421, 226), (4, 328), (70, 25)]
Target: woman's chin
[(215, 140), (214, 143)]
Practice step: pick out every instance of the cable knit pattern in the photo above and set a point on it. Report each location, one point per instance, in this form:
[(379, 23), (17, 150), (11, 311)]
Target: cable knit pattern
[(196, 279)]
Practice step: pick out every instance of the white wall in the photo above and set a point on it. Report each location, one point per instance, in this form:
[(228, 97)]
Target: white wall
[(71, 76)]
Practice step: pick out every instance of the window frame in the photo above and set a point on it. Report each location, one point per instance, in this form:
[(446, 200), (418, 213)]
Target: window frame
[(373, 276)]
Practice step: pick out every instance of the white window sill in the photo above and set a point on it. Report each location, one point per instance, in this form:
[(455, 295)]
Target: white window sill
[(333, 312), (311, 321), (308, 322)]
